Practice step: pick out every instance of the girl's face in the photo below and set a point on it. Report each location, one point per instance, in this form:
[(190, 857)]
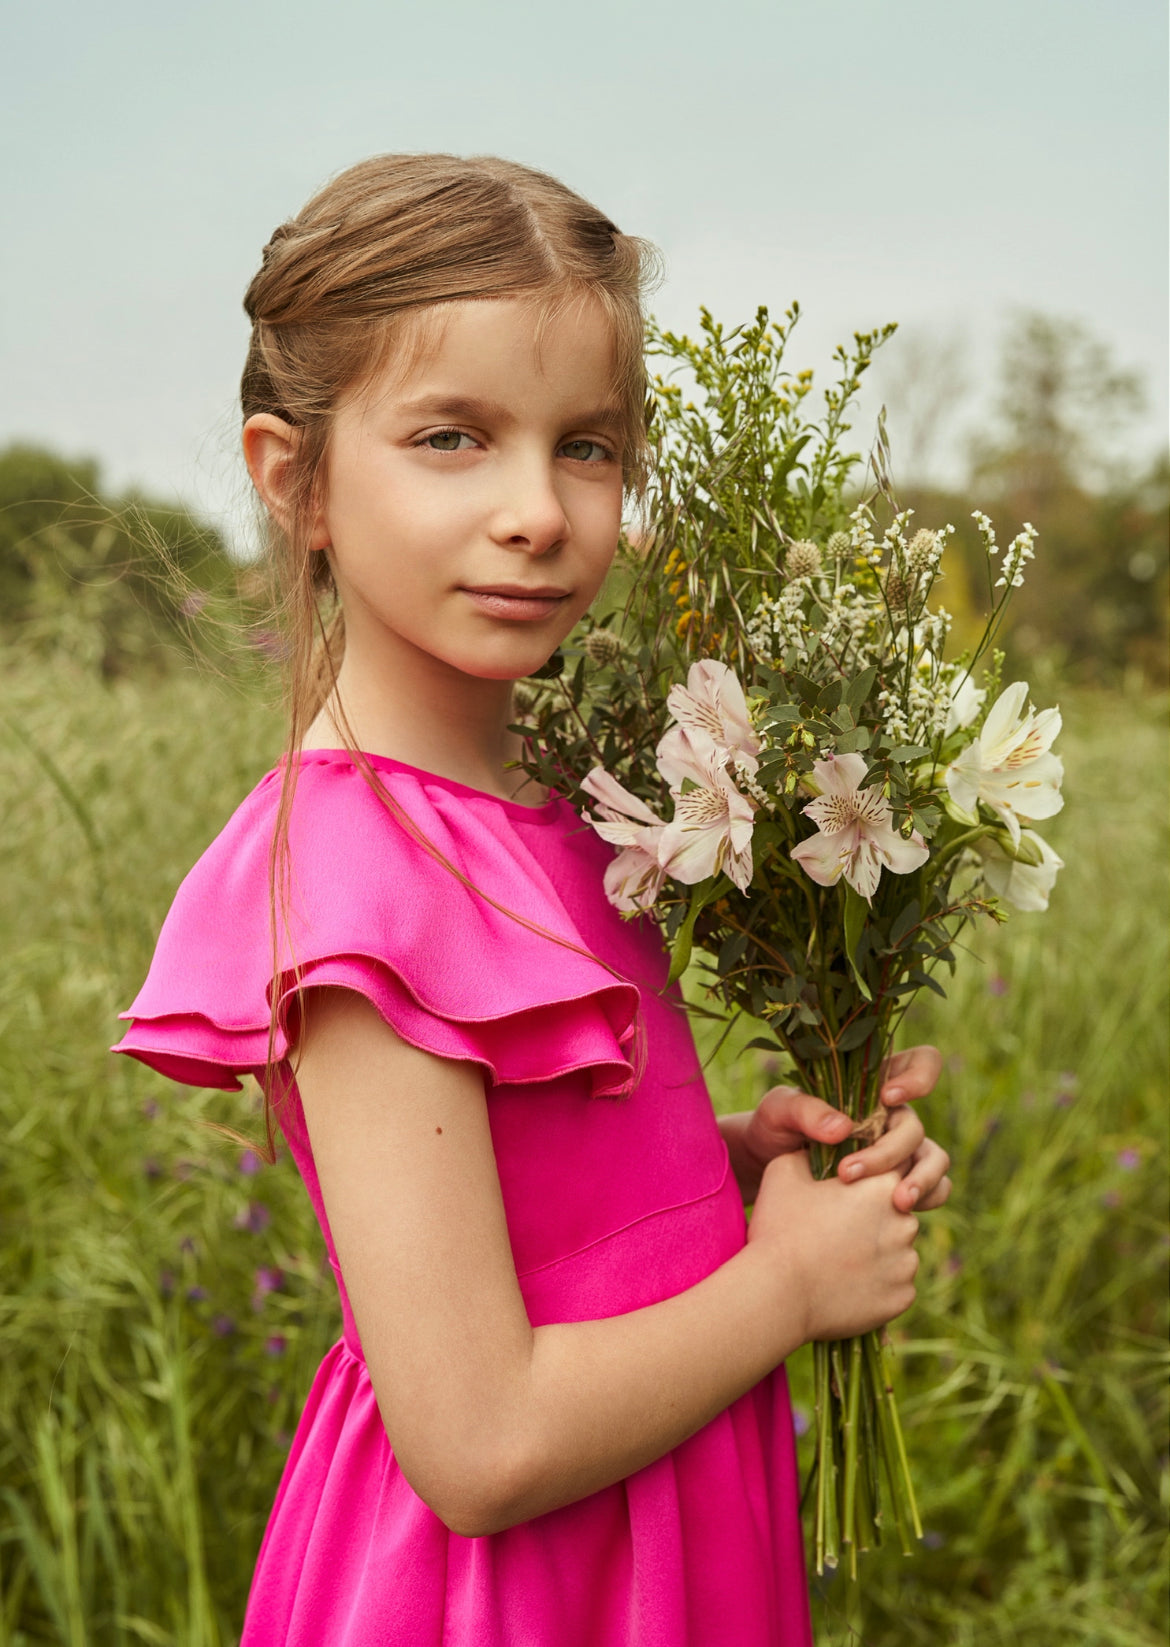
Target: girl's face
[(473, 507)]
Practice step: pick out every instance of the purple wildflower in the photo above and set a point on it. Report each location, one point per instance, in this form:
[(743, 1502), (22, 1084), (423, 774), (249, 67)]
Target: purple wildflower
[(1111, 1198), (953, 1264), (270, 643), (187, 1244), (223, 1326), (250, 1163), (183, 1169), (150, 1108), (267, 1280), (800, 1421), (197, 1295), (255, 1217), (1129, 1160), (933, 1540), (151, 1168), (997, 984), (166, 1283), (191, 605), (275, 1344)]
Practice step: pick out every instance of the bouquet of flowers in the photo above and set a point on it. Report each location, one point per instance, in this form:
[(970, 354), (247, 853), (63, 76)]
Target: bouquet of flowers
[(806, 793)]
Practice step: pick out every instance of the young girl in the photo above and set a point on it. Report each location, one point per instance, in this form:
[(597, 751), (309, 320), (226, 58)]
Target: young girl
[(558, 1415)]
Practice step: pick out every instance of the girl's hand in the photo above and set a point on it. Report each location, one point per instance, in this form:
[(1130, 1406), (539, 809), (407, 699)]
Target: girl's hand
[(786, 1120), (844, 1251)]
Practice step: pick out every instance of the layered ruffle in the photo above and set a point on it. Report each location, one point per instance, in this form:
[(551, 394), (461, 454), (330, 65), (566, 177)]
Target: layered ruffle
[(476, 958)]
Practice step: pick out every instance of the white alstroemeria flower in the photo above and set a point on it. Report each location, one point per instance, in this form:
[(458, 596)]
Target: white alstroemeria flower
[(634, 879), (856, 836), (966, 700), (1009, 765), (1024, 886), (711, 831), (712, 702)]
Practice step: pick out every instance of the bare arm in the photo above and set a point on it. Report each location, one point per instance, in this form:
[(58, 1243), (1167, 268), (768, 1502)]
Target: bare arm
[(493, 1422)]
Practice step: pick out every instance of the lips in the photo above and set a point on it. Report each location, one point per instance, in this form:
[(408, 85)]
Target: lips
[(517, 603), (517, 591)]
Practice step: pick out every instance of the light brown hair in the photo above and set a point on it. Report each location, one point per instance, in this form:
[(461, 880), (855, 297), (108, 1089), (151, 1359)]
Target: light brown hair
[(357, 277)]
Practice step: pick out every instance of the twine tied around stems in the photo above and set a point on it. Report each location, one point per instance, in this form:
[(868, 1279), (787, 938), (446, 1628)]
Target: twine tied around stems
[(871, 1128)]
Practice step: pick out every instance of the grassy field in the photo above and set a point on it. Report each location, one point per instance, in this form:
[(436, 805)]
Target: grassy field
[(164, 1304)]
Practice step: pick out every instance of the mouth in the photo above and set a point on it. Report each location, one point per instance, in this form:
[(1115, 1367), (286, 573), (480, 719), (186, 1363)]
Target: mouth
[(514, 601)]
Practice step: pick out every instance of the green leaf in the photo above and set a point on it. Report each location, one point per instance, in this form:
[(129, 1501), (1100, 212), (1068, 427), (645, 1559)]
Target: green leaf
[(852, 743), (903, 921), (907, 752), (856, 910), (702, 894), (764, 1044), (858, 1033), (855, 692)]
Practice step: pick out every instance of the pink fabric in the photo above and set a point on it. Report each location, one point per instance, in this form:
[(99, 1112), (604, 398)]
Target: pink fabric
[(616, 1188)]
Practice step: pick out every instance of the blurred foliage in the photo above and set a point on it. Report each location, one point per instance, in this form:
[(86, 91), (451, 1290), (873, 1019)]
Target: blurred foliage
[(114, 582), (1055, 451)]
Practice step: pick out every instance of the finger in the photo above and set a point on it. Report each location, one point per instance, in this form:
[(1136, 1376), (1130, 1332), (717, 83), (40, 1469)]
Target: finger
[(911, 1074), (787, 1118), (923, 1186), (894, 1151)]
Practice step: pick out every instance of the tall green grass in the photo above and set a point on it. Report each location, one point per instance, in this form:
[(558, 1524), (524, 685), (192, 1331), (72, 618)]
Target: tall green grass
[(164, 1305)]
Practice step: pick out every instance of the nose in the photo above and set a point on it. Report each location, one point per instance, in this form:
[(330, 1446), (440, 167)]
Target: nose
[(530, 515)]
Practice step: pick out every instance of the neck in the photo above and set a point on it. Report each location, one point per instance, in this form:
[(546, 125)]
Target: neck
[(417, 709)]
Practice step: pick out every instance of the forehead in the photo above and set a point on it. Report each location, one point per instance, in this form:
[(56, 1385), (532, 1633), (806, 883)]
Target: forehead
[(552, 339)]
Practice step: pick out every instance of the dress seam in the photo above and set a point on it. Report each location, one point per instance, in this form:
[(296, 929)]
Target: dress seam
[(643, 1218)]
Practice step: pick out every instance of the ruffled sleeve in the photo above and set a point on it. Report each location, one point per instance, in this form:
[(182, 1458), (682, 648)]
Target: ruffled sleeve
[(371, 910)]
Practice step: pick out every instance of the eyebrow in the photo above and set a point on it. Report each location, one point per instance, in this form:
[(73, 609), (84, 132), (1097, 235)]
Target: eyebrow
[(472, 407)]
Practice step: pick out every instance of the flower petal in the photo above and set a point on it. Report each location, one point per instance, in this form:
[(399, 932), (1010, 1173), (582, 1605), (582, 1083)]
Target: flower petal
[(823, 857), (839, 774), (611, 795), (1003, 719), (713, 702), (634, 879), (1025, 886)]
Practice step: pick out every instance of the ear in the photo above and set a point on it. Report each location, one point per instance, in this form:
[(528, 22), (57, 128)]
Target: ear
[(270, 444)]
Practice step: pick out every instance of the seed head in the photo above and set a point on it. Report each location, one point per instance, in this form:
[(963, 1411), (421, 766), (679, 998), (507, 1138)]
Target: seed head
[(602, 647), (899, 590), (922, 550), (839, 546), (524, 698), (803, 559)]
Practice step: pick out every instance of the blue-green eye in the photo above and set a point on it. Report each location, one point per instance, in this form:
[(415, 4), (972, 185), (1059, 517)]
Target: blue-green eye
[(582, 456), (446, 434)]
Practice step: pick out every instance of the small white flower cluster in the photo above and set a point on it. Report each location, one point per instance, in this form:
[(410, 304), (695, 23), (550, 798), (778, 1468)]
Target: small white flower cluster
[(745, 777), (1019, 552), (847, 626), (986, 532), (778, 625), (894, 723)]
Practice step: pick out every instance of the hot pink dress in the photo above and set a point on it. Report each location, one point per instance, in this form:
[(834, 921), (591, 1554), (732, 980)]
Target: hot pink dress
[(617, 1191)]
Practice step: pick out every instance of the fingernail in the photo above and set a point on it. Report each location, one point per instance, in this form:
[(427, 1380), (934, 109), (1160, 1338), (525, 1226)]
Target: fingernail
[(852, 1171), (913, 1196), (894, 1095)]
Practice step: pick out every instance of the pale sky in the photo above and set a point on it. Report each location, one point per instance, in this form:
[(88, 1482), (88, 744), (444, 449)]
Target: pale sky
[(935, 162)]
